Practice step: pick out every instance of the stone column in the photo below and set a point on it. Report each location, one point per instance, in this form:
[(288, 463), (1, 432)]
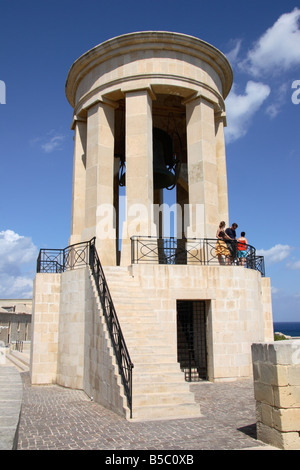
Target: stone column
[(78, 198), (202, 169), (99, 207), (139, 170), (221, 166)]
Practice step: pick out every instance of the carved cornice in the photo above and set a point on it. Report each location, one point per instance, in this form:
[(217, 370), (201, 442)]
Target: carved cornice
[(145, 41)]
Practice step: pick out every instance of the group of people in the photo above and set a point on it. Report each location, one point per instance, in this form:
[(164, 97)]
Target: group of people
[(229, 246)]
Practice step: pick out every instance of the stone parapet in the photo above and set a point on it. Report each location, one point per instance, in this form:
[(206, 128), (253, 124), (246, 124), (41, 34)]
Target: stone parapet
[(276, 371)]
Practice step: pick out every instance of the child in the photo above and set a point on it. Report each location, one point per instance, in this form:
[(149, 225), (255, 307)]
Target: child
[(242, 243)]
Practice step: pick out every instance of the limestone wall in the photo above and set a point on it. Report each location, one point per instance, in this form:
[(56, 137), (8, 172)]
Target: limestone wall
[(71, 344), (234, 304), (71, 329), (45, 325), (276, 370), (101, 377)]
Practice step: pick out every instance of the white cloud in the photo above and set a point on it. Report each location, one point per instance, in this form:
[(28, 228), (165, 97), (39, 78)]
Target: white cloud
[(17, 253), (275, 290), (278, 49), (232, 55), (15, 250), (55, 143), (241, 108), (275, 254), (293, 265), (275, 52), (51, 142), (15, 287), (280, 99)]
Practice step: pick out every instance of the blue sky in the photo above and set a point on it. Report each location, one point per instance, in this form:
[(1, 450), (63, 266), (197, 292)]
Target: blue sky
[(39, 41)]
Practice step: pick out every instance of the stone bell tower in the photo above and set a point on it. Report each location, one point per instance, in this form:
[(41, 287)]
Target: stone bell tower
[(148, 123), (132, 96)]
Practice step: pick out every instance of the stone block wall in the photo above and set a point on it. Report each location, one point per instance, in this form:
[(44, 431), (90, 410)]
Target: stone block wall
[(276, 371), (101, 379), (71, 345), (238, 305), (70, 365), (45, 324)]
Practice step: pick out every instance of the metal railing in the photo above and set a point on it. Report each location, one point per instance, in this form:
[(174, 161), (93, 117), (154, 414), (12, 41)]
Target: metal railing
[(85, 254), (193, 251), (19, 346), (117, 338), (52, 260)]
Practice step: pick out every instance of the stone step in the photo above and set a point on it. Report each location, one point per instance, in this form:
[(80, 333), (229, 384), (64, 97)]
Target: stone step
[(138, 328), (154, 399), (119, 270), (160, 387), (122, 282), (128, 298), (23, 357), (182, 410), (151, 350), (20, 360), (128, 318), (139, 358), (134, 309), (157, 377), (137, 320), (157, 367), (139, 341)]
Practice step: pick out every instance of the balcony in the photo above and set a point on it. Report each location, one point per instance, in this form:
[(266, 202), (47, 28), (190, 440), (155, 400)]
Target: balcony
[(192, 251)]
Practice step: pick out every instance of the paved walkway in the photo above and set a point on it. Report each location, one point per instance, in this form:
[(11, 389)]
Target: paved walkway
[(58, 418), (10, 406)]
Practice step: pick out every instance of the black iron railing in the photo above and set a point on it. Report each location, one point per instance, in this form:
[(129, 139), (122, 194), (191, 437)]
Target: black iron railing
[(85, 254), (51, 260), (202, 251), (123, 358)]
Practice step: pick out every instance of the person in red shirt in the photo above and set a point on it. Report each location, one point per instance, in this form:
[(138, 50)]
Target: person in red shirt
[(242, 244)]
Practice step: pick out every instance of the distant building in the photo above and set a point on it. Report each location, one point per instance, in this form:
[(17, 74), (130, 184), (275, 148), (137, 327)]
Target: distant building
[(15, 320)]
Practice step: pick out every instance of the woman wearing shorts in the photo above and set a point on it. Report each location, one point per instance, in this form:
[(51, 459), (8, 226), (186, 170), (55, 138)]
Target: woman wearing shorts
[(221, 247)]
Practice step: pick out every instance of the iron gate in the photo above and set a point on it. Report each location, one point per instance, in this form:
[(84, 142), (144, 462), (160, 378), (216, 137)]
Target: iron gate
[(191, 339)]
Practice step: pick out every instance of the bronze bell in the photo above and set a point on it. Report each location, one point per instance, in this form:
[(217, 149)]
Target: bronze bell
[(165, 166), (162, 160)]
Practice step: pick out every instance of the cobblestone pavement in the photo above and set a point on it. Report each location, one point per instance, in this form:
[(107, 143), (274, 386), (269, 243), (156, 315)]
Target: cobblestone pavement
[(57, 418)]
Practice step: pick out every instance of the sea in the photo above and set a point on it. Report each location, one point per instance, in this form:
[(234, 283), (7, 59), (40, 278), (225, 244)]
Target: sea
[(287, 328)]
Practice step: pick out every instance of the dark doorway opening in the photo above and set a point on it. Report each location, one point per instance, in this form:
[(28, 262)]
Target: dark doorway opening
[(191, 339)]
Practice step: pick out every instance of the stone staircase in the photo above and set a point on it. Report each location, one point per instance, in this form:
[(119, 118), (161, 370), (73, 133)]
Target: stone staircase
[(21, 360), (159, 388)]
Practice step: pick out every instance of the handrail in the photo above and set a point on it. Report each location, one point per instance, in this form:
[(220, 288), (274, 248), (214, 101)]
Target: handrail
[(85, 254), (119, 345), (195, 251)]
